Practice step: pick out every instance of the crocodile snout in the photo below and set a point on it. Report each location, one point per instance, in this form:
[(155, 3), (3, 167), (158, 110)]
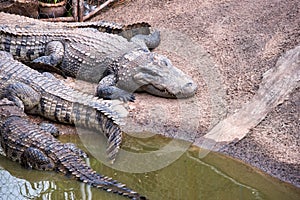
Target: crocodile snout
[(188, 90)]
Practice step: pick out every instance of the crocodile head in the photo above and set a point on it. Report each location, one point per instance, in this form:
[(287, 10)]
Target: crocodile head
[(155, 74)]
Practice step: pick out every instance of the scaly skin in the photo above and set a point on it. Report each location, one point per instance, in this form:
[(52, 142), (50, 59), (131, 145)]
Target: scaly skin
[(135, 31), (127, 31), (122, 66), (46, 96), (26, 143)]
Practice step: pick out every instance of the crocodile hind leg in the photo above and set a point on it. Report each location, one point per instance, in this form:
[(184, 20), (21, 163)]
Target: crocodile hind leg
[(76, 150), (22, 95), (106, 89), (50, 128), (53, 130), (35, 159), (54, 54)]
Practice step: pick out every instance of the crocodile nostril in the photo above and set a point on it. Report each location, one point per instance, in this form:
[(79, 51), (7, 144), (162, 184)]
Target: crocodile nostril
[(191, 87), (190, 84)]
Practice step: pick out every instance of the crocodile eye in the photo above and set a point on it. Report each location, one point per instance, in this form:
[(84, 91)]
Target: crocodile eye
[(164, 63), (144, 50)]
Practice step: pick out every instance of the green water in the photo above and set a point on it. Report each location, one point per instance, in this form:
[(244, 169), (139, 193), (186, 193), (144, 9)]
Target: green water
[(189, 177)]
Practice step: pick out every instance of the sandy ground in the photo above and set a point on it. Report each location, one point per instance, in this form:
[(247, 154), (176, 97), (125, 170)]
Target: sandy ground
[(226, 46)]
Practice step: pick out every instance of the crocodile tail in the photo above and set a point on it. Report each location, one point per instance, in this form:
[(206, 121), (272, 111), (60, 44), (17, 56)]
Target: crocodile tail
[(114, 134), (127, 31), (139, 25), (101, 26), (110, 115), (118, 188), (131, 30), (74, 166), (109, 27)]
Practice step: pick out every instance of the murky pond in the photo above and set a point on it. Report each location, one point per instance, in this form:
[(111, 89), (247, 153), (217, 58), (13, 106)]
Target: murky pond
[(188, 177)]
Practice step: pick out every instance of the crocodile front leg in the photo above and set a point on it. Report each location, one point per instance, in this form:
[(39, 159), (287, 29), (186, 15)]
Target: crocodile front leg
[(35, 159), (106, 89), (54, 54), (23, 95)]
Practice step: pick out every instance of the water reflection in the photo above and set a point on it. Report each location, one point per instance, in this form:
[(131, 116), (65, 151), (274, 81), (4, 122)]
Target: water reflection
[(16, 188), (189, 177), (19, 183)]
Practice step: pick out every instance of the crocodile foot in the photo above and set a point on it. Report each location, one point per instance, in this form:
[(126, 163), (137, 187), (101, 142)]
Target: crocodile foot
[(76, 150), (114, 93), (50, 128)]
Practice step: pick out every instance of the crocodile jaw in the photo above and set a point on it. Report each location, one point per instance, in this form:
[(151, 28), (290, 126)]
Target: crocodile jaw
[(159, 77)]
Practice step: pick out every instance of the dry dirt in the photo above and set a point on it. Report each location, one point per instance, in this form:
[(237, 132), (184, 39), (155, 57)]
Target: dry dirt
[(226, 46)]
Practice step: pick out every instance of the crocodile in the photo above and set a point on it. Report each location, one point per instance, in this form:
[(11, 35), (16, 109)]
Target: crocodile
[(120, 66), (34, 148), (44, 95), (139, 30)]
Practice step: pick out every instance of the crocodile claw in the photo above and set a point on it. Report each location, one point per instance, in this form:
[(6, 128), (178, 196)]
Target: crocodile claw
[(128, 97)]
